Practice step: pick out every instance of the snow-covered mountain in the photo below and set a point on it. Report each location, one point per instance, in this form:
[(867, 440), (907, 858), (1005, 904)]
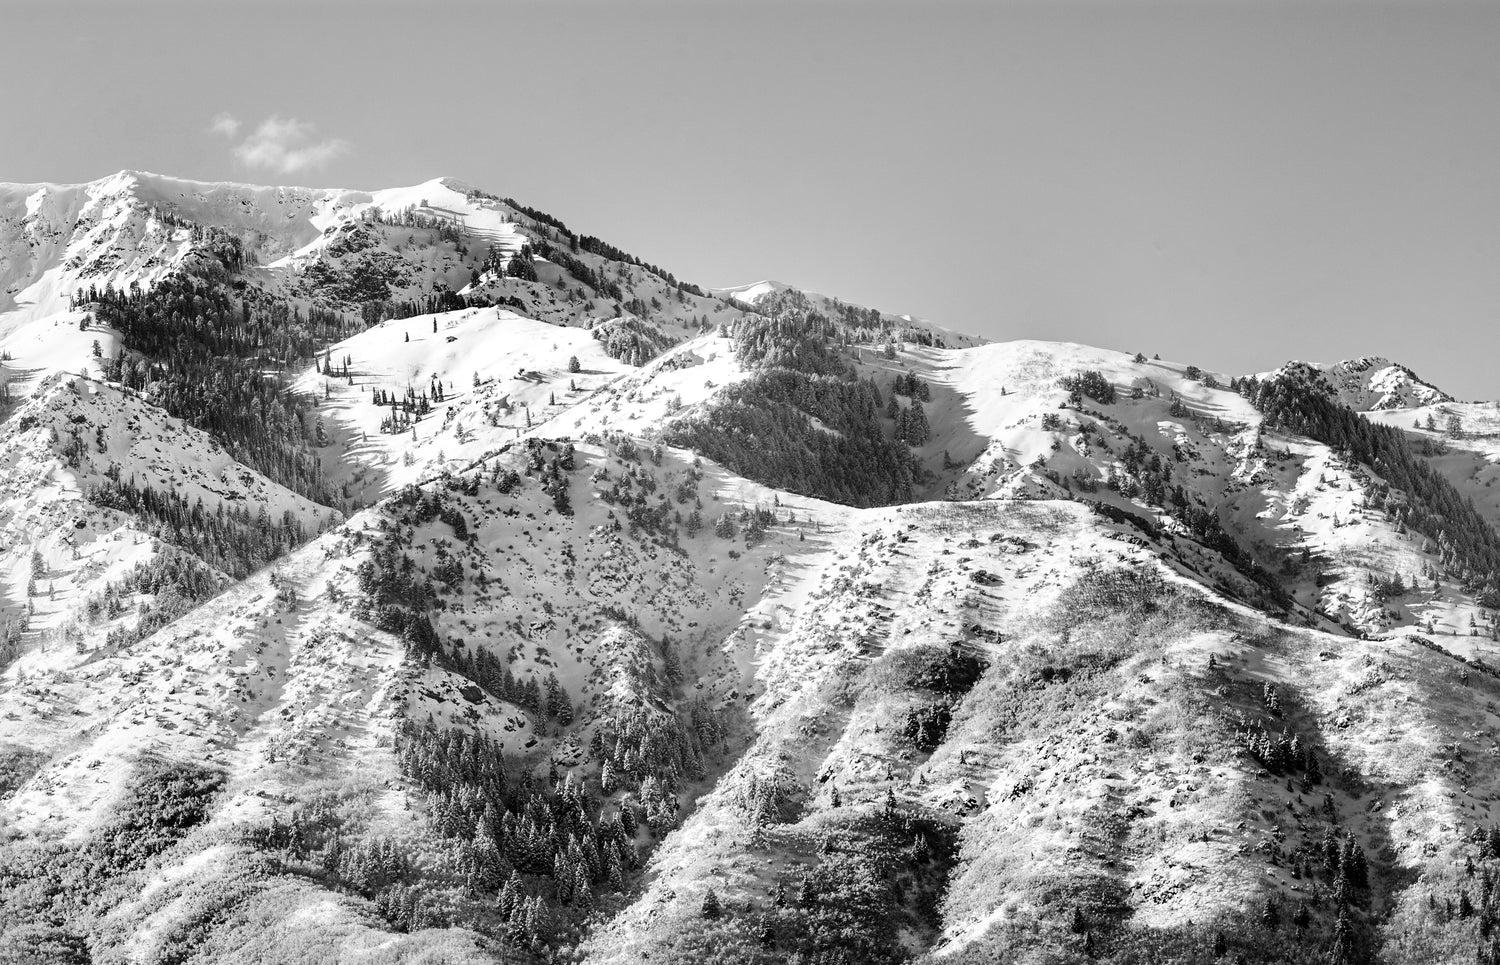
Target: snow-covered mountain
[(1373, 384), (407, 576)]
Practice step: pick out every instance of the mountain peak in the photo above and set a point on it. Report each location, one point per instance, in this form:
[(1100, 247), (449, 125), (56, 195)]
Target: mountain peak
[(1372, 383), (755, 291)]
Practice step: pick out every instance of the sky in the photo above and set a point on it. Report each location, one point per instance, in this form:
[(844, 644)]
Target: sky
[(1232, 183)]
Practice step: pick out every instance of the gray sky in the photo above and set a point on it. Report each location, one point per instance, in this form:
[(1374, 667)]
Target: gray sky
[(1227, 183)]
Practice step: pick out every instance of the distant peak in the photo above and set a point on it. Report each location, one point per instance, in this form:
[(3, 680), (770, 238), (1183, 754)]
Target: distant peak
[(1370, 383), (755, 291)]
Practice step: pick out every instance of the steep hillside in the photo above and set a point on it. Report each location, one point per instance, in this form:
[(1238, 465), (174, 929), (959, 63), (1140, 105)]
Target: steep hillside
[(484, 604), (407, 576), (1001, 732)]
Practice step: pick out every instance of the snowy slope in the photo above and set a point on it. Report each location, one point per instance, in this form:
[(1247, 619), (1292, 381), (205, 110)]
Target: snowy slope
[(496, 369), (73, 438), (1032, 694), (1280, 497), (1082, 771)]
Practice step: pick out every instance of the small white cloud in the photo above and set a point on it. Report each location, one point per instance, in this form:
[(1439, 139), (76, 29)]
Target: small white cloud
[(225, 124), (286, 145)]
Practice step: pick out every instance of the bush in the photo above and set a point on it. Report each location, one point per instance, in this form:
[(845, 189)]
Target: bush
[(16, 768), (925, 727)]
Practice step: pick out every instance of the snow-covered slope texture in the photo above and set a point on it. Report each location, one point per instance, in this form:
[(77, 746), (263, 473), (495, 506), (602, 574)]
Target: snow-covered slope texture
[(579, 610), (407, 576), (1001, 731), (1265, 512), (116, 519), (1459, 439), (378, 254), (1187, 451)]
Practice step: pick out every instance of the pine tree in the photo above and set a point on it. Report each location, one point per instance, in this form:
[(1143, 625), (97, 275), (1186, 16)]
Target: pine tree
[(711, 906), (583, 895), (510, 895), (1342, 951), (917, 429)]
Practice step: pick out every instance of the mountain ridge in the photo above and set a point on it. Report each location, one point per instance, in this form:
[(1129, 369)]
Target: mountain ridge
[(454, 585)]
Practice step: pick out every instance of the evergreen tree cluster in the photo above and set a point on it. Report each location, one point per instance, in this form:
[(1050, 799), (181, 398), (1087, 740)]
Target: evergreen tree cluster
[(632, 490), (1467, 900), (537, 848), (761, 427), (406, 409), (579, 269), (176, 582), (911, 385), (926, 727), (445, 229), (1284, 753), (11, 637), (440, 299), (228, 537), (654, 755), (545, 700), (597, 247), (912, 426), (520, 265), (1467, 544), (631, 340), (205, 359), (803, 342), (1144, 474), (396, 598), (553, 472), (1090, 383), (209, 242), (382, 869), (536, 852), (855, 325), (758, 429)]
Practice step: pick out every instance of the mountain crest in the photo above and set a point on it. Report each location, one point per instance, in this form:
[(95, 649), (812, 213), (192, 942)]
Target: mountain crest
[(407, 576), (1371, 383)]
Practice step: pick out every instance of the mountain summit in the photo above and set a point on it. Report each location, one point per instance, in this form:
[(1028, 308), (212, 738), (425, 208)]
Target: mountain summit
[(409, 576)]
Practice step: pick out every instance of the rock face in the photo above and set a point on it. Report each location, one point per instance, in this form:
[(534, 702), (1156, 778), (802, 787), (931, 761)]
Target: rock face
[(402, 576)]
